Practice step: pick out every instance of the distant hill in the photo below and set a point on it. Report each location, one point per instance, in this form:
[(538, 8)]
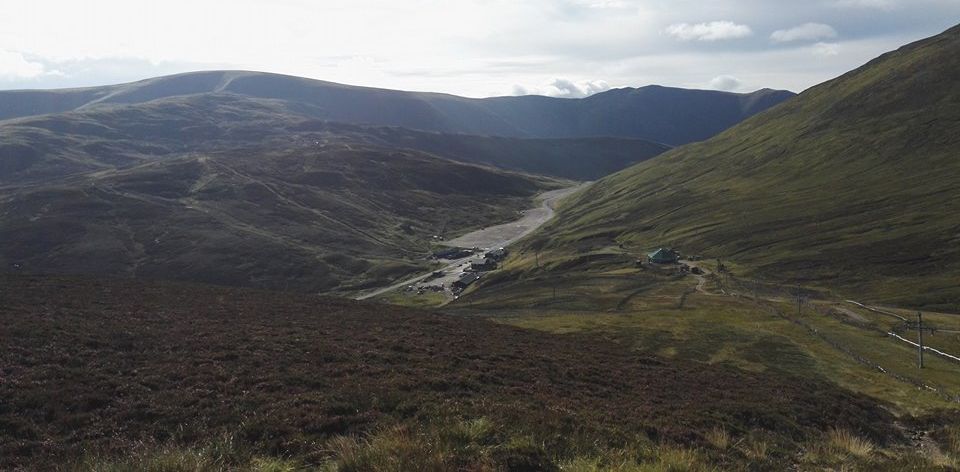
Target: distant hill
[(569, 158), (660, 114), (336, 216), (113, 136), (852, 186)]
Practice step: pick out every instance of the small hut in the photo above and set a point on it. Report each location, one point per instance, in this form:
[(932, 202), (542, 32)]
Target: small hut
[(464, 281), (483, 266), (663, 256)]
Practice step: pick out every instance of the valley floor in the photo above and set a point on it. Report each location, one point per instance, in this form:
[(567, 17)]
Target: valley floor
[(484, 239)]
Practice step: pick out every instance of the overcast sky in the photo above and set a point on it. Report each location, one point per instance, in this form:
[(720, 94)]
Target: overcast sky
[(468, 47)]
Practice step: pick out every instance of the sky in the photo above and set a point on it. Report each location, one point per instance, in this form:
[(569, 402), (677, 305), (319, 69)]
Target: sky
[(476, 48)]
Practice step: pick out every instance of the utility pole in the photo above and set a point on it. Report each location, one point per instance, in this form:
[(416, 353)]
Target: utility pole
[(538, 258), (920, 337)]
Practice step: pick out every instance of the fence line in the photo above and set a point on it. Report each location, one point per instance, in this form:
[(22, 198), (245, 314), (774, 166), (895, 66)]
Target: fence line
[(850, 352), (876, 310), (925, 348), (862, 360)]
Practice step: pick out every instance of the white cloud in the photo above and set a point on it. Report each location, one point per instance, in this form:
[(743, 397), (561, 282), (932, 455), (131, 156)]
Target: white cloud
[(885, 5), (826, 49), (804, 32), (564, 88), (726, 83), (618, 4), (468, 47), (14, 66), (713, 31)]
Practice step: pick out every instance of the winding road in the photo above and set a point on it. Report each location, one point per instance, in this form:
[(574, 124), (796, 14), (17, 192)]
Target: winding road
[(490, 238)]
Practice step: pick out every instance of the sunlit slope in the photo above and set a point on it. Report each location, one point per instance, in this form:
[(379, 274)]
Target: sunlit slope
[(852, 186)]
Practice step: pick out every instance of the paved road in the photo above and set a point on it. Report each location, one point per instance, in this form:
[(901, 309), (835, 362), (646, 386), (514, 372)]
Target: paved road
[(489, 238)]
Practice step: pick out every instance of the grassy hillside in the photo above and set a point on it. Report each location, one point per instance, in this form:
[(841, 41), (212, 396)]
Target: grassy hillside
[(569, 158), (729, 320), (117, 375), (851, 187), (659, 114), (332, 217), (114, 136)]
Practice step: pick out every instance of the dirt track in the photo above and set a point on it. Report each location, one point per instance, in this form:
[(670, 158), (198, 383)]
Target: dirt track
[(489, 238), (701, 278), (506, 234)]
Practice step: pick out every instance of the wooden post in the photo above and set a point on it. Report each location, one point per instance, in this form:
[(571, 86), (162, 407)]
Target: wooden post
[(920, 337), (799, 310)]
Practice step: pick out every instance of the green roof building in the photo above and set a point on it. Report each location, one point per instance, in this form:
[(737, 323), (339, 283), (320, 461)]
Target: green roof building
[(664, 256)]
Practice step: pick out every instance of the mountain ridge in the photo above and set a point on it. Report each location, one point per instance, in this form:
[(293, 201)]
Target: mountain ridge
[(525, 116)]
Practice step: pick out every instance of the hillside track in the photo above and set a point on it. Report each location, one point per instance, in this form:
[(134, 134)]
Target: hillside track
[(701, 278)]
